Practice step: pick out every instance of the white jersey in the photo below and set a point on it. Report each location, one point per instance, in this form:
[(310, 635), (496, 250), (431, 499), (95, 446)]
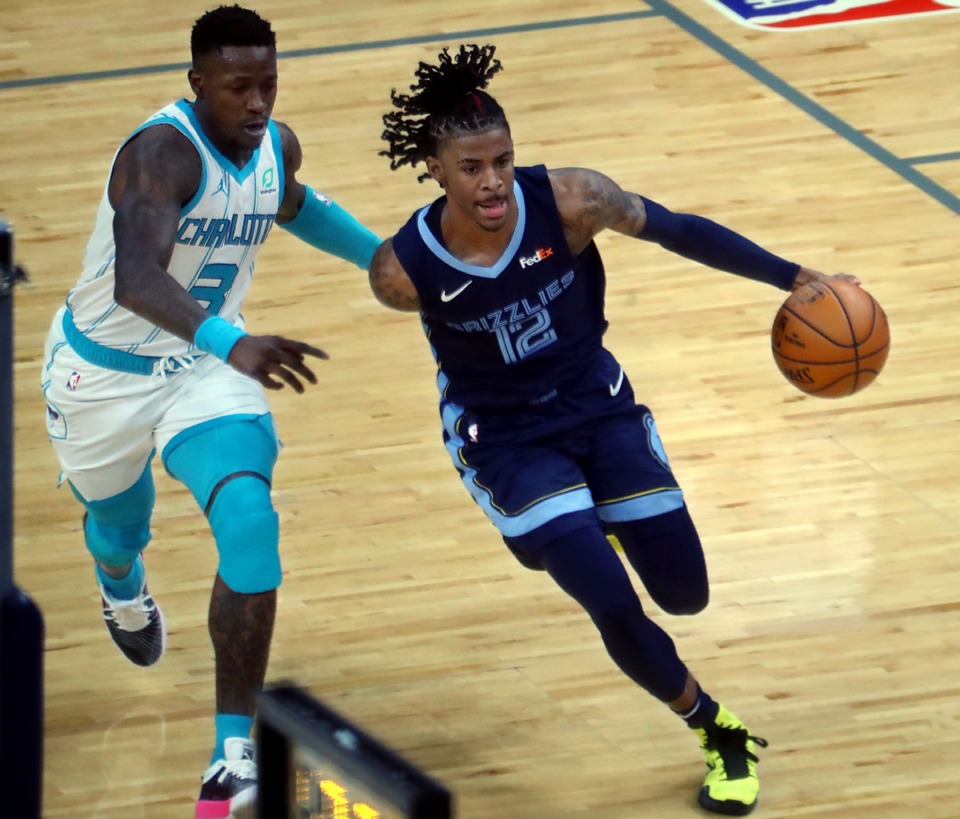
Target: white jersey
[(220, 233)]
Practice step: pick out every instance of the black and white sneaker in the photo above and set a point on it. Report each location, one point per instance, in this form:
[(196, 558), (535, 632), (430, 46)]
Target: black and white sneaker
[(136, 626), (229, 786)]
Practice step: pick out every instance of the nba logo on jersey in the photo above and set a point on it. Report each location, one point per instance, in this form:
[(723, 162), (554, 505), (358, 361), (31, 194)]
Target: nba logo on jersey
[(74, 380), (784, 15)]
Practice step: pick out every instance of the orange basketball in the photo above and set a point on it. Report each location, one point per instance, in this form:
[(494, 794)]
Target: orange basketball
[(830, 338)]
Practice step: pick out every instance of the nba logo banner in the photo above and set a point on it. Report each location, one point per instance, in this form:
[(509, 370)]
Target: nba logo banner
[(785, 15)]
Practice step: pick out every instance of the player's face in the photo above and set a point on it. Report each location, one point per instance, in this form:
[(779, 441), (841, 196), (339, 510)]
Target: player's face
[(236, 89), (476, 172)]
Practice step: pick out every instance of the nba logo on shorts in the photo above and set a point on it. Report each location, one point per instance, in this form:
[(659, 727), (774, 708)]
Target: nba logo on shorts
[(784, 15), (74, 380)]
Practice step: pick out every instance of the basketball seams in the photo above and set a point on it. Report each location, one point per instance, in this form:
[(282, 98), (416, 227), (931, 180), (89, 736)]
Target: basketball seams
[(817, 362), (853, 334), (817, 330), (806, 351)]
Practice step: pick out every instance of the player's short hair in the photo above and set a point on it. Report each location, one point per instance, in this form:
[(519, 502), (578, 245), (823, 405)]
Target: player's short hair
[(448, 100), (229, 26)]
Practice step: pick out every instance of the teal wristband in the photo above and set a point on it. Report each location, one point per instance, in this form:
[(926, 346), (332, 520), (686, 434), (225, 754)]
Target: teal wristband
[(326, 226), (217, 336)]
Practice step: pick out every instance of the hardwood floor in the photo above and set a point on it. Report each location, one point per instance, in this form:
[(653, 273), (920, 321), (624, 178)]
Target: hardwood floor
[(831, 526)]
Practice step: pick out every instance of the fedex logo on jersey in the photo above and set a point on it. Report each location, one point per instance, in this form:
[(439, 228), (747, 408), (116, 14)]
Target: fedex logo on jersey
[(541, 254), (785, 15)]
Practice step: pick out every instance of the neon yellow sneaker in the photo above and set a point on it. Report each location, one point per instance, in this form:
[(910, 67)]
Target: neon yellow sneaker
[(731, 784)]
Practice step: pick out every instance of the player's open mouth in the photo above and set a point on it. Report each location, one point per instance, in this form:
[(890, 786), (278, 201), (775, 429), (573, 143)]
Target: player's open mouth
[(494, 209), (256, 129)]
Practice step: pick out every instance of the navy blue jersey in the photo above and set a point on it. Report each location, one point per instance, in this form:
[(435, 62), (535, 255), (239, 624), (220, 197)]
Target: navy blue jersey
[(513, 333)]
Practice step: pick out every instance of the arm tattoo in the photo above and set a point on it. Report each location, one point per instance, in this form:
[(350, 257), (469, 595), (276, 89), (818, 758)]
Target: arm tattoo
[(389, 283), (593, 203)]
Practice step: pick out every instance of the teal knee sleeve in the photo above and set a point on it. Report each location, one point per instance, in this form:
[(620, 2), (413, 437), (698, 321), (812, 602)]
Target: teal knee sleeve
[(247, 531), (117, 529), (202, 456)]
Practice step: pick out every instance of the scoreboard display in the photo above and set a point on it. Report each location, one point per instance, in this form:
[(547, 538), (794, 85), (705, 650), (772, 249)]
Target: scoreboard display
[(315, 764)]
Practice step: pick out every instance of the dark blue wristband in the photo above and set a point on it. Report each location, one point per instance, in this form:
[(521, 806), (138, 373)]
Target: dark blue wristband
[(706, 242)]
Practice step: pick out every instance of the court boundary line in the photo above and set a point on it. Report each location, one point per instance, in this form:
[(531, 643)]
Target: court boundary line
[(903, 167), (372, 45), (950, 156)]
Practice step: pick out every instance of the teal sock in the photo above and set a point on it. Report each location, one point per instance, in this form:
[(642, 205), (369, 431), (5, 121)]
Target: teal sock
[(126, 587), (230, 725)]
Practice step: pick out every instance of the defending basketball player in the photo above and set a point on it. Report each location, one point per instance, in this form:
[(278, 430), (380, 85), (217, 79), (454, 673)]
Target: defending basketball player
[(538, 417), (150, 355)]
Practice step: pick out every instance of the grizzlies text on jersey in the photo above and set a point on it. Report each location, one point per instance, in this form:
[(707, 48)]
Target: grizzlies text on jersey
[(512, 333)]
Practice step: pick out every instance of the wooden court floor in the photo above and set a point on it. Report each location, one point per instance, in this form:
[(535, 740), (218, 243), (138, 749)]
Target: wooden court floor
[(831, 526)]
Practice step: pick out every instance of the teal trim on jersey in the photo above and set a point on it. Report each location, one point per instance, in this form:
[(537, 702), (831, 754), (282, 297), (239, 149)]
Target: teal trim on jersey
[(165, 119), (278, 153), (240, 174), (111, 359), (474, 270)]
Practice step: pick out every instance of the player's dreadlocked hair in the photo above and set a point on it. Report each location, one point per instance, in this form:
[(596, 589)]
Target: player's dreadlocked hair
[(229, 26), (448, 100)]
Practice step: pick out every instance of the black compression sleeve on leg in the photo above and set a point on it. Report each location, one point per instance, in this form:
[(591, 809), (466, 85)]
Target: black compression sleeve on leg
[(585, 566)]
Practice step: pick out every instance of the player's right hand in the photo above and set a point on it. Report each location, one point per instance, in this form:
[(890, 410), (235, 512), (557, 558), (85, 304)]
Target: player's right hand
[(268, 358)]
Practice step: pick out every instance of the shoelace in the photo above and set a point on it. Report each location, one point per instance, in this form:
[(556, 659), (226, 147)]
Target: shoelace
[(130, 616), (163, 367), (731, 745)]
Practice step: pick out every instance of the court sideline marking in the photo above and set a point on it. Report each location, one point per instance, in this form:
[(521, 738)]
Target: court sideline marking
[(905, 168), (902, 167)]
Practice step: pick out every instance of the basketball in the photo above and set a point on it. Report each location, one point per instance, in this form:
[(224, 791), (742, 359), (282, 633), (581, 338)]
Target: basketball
[(830, 338)]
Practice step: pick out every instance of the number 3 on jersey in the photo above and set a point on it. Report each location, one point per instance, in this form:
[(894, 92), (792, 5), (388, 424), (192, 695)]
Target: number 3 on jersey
[(212, 285), (523, 338)]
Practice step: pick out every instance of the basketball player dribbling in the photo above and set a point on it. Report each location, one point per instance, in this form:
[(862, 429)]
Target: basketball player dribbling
[(539, 419), (149, 355)]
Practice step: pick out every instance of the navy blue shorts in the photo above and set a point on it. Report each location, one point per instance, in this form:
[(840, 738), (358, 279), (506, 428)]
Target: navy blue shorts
[(588, 455)]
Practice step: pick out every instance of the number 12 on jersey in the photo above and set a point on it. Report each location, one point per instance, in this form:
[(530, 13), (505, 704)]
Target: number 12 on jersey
[(523, 338)]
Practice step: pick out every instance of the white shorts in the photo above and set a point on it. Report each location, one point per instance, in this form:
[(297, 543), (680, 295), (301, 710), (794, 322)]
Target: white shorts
[(105, 424)]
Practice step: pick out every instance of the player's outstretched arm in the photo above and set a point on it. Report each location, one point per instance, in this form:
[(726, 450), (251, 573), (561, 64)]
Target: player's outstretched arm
[(591, 202), (317, 220)]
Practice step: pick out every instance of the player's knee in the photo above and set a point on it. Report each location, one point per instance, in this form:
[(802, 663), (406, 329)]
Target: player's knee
[(690, 599), (117, 529), (247, 533), (201, 456)]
